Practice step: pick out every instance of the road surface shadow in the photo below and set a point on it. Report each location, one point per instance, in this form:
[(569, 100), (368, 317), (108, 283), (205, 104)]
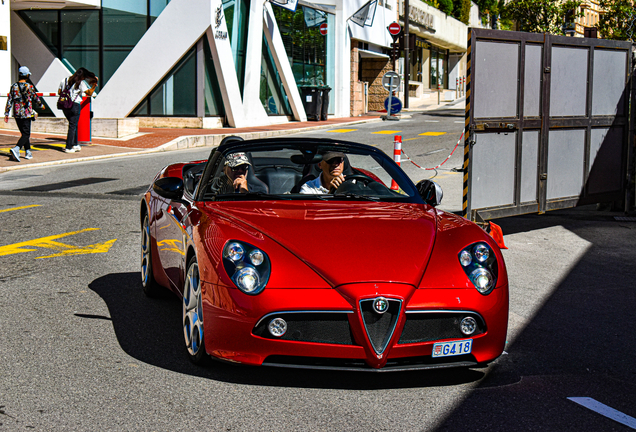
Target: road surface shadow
[(579, 344), (150, 330), (445, 112)]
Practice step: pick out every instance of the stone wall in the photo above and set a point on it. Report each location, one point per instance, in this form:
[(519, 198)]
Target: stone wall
[(357, 87), (372, 72), (100, 128)]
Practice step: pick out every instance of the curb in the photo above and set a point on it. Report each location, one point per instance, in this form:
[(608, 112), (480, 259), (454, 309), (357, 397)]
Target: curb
[(186, 142)]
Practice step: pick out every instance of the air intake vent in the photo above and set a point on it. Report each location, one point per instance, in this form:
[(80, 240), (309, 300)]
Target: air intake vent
[(380, 326)]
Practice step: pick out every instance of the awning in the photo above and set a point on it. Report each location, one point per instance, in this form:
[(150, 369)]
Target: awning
[(371, 54)]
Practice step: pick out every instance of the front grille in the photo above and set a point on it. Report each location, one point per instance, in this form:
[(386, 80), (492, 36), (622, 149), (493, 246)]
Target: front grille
[(332, 328), (427, 327), (380, 327)]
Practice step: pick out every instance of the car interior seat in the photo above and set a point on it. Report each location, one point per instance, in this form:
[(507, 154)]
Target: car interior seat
[(255, 184)]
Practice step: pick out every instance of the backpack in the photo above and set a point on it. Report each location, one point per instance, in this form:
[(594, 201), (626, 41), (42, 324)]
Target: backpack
[(65, 101)]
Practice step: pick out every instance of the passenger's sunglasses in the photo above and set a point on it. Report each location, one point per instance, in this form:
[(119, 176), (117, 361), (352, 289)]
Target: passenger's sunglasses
[(335, 161), (240, 168)]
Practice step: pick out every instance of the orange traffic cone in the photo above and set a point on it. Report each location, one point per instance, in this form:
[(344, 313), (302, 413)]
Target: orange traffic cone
[(497, 235)]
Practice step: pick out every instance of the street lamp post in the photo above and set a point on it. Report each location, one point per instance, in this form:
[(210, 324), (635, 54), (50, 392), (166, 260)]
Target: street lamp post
[(407, 64)]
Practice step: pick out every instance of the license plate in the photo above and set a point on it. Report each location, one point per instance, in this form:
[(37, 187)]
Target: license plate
[(447, 349)]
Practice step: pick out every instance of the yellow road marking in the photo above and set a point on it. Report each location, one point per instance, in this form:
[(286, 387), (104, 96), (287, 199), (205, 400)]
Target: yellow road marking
[(19, 208), (409, 139), (38, 148), (342, 130), (433, 133), (386, 132), (62, 248)]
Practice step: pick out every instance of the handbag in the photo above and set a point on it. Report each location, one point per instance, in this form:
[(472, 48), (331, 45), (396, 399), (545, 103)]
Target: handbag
[(65, 101)]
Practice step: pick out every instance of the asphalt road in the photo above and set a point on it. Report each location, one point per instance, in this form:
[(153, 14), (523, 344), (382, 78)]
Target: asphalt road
[(82, 349)]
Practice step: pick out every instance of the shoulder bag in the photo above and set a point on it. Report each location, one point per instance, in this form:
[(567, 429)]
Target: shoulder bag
[(65, 101)]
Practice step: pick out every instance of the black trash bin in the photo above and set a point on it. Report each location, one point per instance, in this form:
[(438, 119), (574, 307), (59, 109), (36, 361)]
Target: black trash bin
[(312, 101), (325, 102)]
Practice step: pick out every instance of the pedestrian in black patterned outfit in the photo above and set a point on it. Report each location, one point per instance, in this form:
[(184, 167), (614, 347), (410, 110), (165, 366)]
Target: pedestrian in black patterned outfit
[(21, 98)]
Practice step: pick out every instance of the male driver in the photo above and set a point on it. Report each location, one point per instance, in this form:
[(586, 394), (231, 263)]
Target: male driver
[(234, 177), (332, 165)]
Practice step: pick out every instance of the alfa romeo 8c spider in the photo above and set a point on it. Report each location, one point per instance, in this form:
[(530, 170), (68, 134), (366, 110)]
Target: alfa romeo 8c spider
[(315, 253)]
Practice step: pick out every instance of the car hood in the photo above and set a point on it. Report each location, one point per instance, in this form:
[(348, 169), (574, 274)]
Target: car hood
[(347, 242)]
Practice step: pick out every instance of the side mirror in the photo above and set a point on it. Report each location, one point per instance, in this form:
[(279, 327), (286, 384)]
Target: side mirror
[(169, 187), (430, 192)]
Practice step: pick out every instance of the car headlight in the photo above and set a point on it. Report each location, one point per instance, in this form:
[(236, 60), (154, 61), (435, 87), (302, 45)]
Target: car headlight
[(480, 265), (247, 266), (234, 251)]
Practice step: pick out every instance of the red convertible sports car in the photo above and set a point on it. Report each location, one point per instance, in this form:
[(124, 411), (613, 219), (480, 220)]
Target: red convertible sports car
[(314, 253)]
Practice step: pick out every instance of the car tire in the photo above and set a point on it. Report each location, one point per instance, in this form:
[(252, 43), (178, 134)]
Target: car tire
[(150, 286), (193, 315)]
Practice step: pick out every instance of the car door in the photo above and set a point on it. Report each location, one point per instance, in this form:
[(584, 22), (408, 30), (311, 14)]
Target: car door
[(171, 241)]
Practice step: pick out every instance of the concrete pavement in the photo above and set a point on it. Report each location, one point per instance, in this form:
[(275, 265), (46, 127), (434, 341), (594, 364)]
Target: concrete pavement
[(48, 148)]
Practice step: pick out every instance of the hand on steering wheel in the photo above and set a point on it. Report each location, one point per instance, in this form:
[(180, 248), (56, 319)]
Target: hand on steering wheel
[(360, 177)]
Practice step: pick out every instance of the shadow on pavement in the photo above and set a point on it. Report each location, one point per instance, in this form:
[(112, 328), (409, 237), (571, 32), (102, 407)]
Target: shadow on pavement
[(445, 112), (580, 343), (150, 330)]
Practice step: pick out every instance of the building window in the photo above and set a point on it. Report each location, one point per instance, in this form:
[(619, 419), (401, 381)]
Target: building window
[(439, 69), (272, 91), (305, 46), (124, 24), (176, 94), (211, 91), (236, 18), (46, 25)]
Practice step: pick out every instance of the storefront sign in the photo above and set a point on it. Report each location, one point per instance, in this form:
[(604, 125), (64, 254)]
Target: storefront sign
[(420, 17), (421, 43), (219, 34)]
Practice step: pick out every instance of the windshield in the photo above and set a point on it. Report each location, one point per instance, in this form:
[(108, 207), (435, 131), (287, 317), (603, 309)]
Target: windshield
[(318, 172)]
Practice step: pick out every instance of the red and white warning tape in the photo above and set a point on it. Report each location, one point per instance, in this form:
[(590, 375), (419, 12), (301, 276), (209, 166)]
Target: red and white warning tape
[(42, 94), (449, 156)]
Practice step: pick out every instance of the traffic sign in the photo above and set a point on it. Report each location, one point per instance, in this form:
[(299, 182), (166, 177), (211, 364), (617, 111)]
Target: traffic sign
[(391, 81), (395, 28), (396, 105), (271, 104), (323, 29)]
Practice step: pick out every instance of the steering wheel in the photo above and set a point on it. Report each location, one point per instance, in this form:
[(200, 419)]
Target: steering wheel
[(361, 177)]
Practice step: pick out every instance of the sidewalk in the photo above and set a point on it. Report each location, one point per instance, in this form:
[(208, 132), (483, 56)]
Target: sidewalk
[(48, 149)]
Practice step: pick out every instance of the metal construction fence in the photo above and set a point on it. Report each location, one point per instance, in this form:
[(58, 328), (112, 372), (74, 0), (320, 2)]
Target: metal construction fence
[(548, 123)]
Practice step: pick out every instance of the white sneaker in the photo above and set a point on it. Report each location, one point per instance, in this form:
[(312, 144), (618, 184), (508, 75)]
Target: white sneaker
[(15, 153), (67, 150), (77, 147), (28, 155)]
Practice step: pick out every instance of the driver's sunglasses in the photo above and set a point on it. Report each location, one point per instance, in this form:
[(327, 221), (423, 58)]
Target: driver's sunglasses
[(240, 168), (335, 161)]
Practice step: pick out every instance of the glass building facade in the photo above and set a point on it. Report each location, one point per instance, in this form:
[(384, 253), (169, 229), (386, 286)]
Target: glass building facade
[(100, 40), (310, 53)]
